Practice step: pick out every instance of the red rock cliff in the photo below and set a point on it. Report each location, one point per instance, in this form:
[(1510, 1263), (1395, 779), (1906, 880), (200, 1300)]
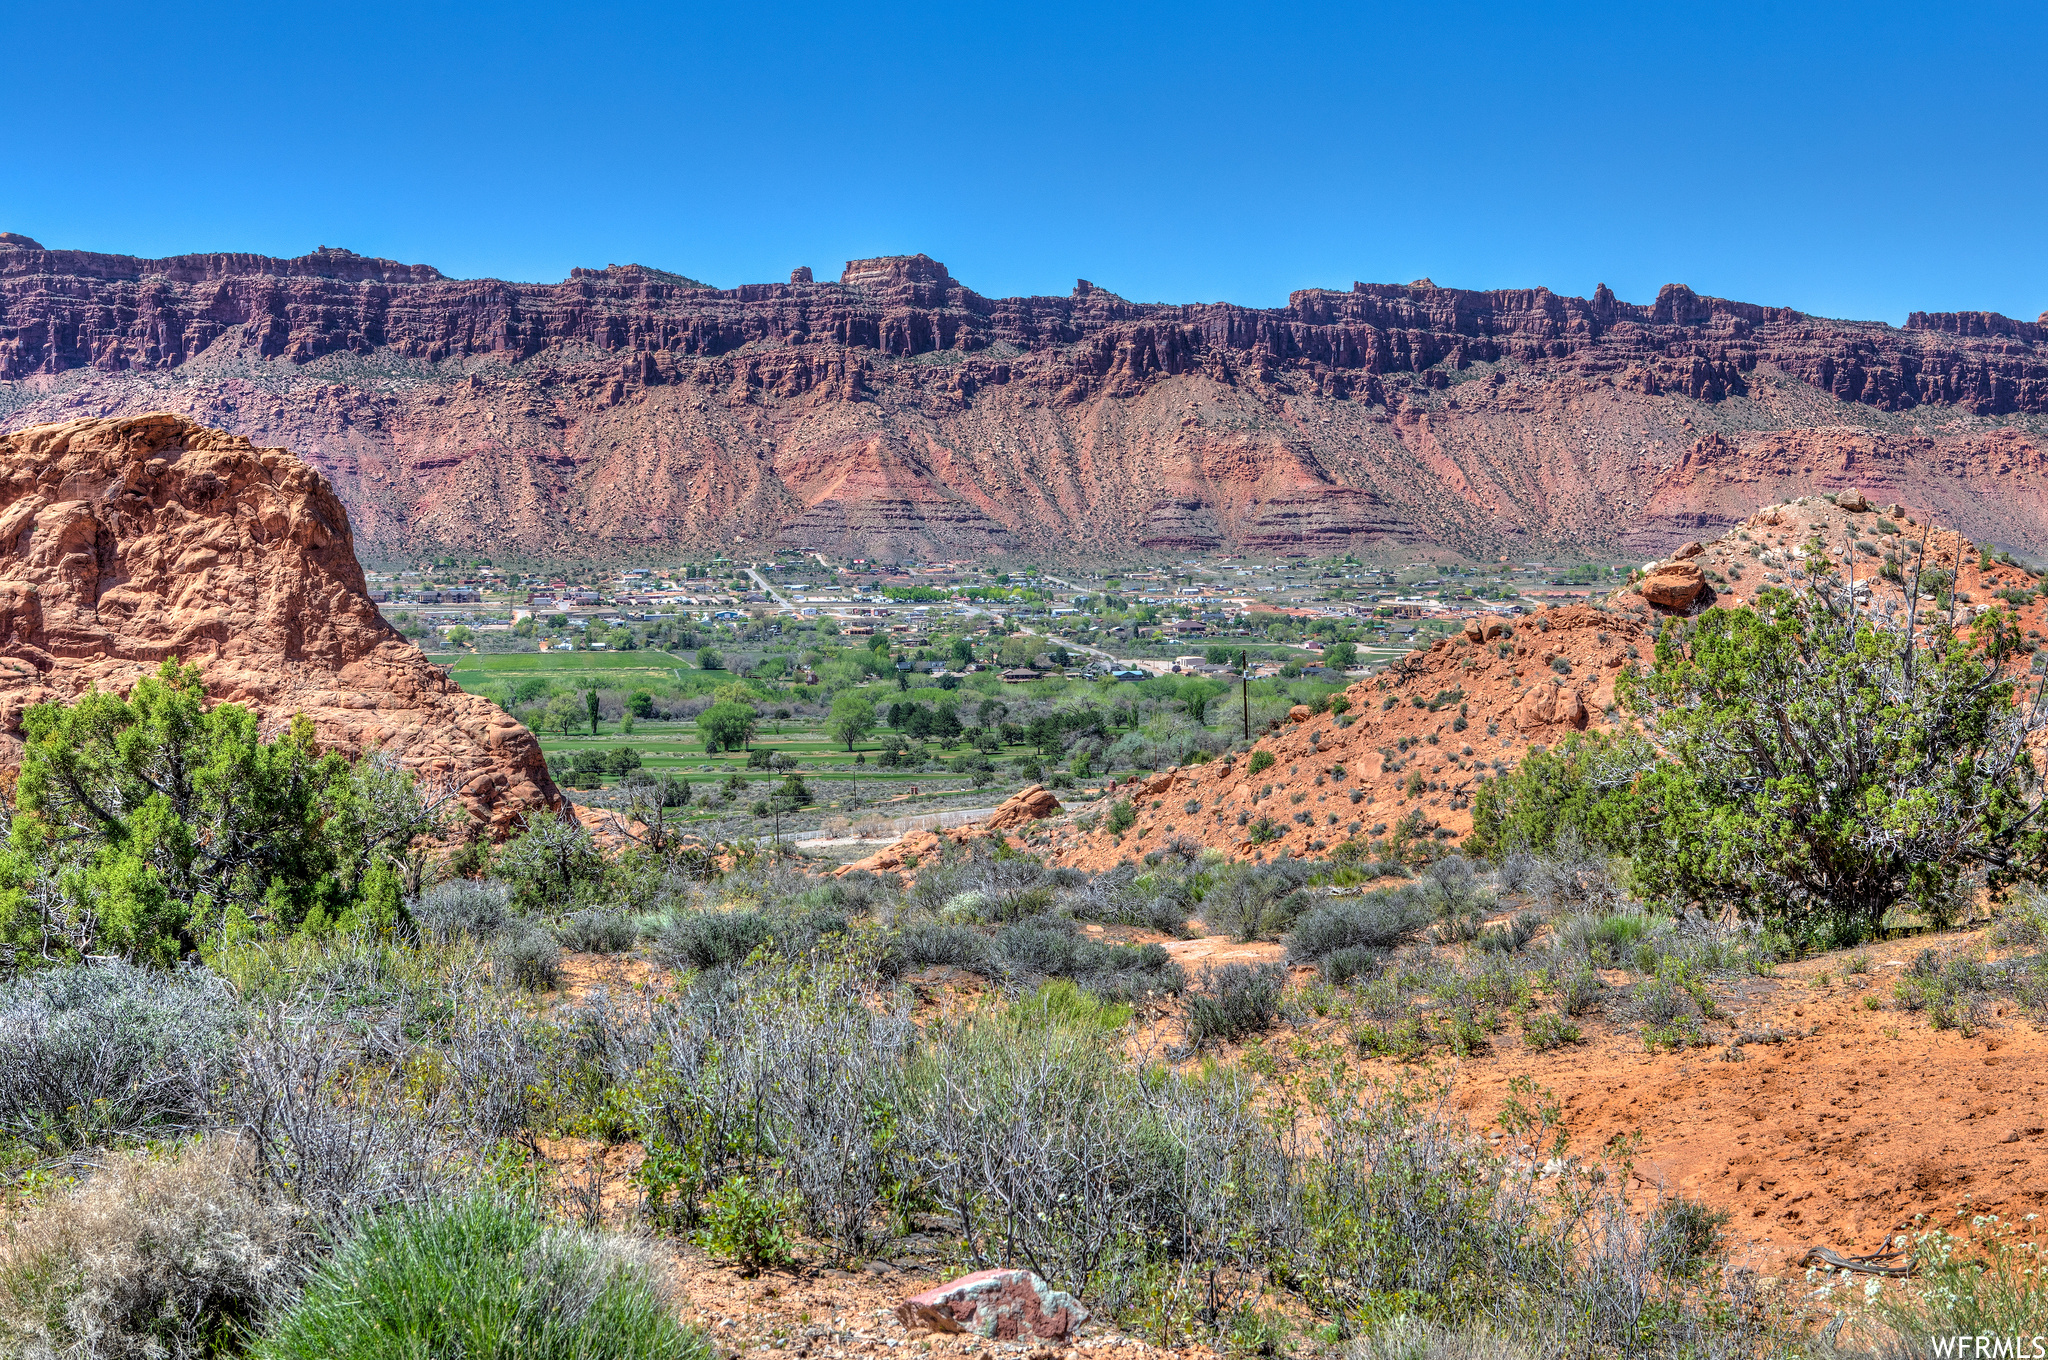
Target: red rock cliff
[(124, 542), (896, 411)]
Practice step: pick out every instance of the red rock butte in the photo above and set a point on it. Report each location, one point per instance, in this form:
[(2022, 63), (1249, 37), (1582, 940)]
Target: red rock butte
[(125, 542), (896, 412)]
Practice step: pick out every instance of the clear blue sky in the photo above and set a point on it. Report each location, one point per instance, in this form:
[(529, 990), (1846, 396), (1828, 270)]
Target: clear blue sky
[(1859, 160)]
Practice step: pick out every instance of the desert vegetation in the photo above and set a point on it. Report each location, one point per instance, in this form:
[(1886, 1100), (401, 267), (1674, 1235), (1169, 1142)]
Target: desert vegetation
[(275, 1068)]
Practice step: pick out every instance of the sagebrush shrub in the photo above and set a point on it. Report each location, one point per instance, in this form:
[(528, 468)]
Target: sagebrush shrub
[(931, 942), (90, 1050), (1235, 1001), (462, 906), (1379, 920), (1683, 1235), (527, 956), (723, 939), (596, 931)]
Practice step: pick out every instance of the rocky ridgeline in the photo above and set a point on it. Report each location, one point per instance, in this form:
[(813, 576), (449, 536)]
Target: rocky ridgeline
[(895, 411), (1420, 737), (69, 309), (127, 542)]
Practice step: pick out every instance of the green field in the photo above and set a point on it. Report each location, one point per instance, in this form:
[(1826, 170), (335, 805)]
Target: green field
[(676, 748)]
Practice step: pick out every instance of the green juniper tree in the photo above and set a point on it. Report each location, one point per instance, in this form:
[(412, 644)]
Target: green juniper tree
[(143, 825), (1809, 762)]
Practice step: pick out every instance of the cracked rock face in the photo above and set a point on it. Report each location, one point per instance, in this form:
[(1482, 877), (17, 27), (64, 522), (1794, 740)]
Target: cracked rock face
[(130, 541)]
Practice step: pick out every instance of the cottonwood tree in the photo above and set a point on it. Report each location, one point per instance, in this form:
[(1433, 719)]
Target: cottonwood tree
[(852, 720), (727, 725)]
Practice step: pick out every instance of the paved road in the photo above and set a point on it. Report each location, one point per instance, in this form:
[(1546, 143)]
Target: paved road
[(773, 593)]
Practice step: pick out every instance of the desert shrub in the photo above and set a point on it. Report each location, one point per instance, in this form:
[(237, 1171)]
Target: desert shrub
[(1980, 1278), (92, 1050), (747, 1225), (1684, 1235), (1011, 1112), (1161, 902), (1234, 1001), (1049, 946), (1516, 872), (1408, 1337), (1952, 988), (1351, 963), (1122, 817), (594, 930), (170, 1256), (1575, 875), (1126, 973), (1379, 920), (1053, 947), (1251, 902), (482, 1276), (1511, 935), (1260, 762), (2023, 924), (723, 939), (1451, 886), (930, 942), (461, 906), (1577, 989), (980, 884), (334, 1135), (784, 1071), (1544, 1031), (527, 956)]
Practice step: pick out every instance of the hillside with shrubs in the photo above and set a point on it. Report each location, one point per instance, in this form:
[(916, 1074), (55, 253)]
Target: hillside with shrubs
[(287, 1070)]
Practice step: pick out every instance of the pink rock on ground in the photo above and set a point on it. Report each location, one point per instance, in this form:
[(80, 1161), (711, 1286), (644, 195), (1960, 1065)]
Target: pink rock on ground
[(1000, 1304)]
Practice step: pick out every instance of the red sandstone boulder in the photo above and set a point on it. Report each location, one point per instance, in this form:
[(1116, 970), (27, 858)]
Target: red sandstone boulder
[(1300, 713), (1674, 585), (1547, 705), (1022, 808), (1003, 1305)]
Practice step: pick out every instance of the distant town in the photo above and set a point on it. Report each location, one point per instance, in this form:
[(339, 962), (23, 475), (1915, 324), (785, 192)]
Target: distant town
[(1157, 618)]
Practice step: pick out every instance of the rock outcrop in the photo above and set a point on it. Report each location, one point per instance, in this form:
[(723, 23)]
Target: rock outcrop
[(129, 541), (896, 412), (1672, 585), (1002, 1305), (1027, 805)]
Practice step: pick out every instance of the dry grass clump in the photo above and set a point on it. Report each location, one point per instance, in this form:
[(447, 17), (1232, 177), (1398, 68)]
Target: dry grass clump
[(154, 1257)]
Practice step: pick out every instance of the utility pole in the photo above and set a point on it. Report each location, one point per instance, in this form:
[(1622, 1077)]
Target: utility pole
[(1244, 665)]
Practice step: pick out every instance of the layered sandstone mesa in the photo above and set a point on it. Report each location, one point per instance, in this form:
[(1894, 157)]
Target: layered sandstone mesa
[(124, 542), (892, 411)]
